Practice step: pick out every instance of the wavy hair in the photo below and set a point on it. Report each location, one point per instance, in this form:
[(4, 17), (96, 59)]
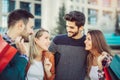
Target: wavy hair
[(99, 44)]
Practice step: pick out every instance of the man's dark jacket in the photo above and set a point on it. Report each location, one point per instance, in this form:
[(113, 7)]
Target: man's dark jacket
[(15, 70)]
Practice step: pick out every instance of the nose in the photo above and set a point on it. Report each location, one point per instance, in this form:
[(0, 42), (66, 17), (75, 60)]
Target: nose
[(68, 29), (32, 32), (49, 42)]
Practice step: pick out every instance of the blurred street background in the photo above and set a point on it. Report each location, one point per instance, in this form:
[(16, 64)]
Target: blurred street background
[(100, 14)]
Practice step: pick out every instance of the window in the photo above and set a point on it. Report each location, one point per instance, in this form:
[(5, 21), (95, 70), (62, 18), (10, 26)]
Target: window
[(11, 5), (106, 21), (3, 27), (106, 3), (25, 5), (4, 21), (2, 30), (4, 6), (93, 2), (8, 5), (92, 16), (37, 23), (107, 14), (38, 9)]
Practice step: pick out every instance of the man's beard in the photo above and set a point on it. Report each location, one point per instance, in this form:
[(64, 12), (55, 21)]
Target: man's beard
[(75, 33)]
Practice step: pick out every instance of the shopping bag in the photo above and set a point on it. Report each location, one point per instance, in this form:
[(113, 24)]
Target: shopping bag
[(115, 66), (7, 52), (107, 75), (112, 74)]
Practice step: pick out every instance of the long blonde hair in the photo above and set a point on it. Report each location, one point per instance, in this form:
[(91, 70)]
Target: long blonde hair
[(34, 52), (99, 44)]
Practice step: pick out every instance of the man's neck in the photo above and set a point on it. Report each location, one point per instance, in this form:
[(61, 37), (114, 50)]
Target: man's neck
[(12, 34), (78, 36)]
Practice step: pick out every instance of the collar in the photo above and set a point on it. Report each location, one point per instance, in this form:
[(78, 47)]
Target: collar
[(8, 39)]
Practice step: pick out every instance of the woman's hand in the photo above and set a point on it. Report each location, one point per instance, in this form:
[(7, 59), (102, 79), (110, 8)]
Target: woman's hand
[(100, 59), (47, 66)]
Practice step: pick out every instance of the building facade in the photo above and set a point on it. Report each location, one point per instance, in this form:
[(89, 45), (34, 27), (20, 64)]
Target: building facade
[(6, 6), (100, 14)]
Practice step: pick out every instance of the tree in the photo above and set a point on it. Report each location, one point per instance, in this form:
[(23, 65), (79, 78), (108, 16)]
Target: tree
[(61, 23)]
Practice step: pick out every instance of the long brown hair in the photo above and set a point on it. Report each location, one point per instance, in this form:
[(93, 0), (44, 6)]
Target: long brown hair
[(33, 47), (99, 44)]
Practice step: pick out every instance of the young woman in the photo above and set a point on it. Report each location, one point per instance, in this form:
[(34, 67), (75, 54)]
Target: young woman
[(99, 54), (41, 61)]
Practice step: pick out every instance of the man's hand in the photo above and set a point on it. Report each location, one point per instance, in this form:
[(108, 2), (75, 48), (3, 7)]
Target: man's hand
[(21, 46)]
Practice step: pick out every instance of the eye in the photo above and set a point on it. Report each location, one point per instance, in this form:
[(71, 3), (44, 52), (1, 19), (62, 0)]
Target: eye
[(71, 27), (32, 27), (47, 38), (89, 39)]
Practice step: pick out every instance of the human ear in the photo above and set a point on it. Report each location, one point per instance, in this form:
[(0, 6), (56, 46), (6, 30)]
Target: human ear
[(36, 40), (20, 25), (81, 28)]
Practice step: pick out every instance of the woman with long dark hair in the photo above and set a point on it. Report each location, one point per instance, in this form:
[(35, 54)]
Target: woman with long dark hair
[(99, 54)]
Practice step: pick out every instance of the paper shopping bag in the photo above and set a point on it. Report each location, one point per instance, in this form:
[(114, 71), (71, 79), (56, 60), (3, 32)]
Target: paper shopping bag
[(115, 66), (7, 52), (107, 75)]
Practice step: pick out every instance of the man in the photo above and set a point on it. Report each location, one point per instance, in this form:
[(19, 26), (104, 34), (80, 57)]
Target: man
[(20, 26), (70, 49)]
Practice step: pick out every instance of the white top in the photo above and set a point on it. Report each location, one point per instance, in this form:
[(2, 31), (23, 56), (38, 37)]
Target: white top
[(93, 73), (35, 71)]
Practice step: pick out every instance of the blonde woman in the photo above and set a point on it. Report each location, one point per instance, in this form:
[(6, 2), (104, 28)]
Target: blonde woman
[(41, 61)]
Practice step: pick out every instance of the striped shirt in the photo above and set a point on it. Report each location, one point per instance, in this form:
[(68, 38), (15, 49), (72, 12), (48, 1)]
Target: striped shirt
[(72, 60)]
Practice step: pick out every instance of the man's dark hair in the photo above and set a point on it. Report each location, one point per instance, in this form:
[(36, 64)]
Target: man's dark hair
[(76, 16), (19, 14)]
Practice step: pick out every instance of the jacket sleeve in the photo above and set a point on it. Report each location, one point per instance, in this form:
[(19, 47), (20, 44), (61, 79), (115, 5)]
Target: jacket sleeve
[(51, 58), (53, 67), (15, 70)]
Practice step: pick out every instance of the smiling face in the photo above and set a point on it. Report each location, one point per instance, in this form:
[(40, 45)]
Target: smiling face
[(44, 41), (88, 42), (72, 29)]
